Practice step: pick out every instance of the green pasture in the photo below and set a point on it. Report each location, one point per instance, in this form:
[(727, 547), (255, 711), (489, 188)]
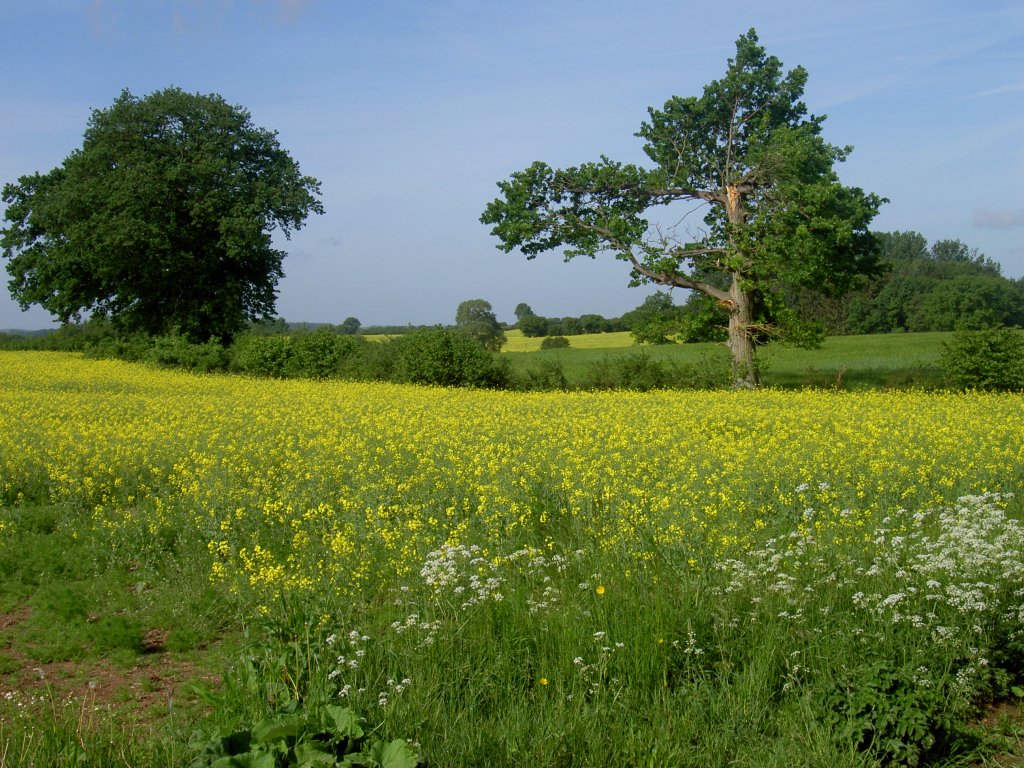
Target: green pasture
[(851, 362)]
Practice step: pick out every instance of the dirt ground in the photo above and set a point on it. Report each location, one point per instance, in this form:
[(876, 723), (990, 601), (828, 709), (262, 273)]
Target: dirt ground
[(148, 690)]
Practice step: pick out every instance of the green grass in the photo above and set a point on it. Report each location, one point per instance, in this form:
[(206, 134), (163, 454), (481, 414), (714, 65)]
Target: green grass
[(850, 362)]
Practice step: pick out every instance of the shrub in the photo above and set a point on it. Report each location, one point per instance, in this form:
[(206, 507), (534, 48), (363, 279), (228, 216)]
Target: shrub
[(711, 371), (991, 359), (641, 373), (547, 376), (318, 355), (891, 713), (554, 342), (173, 350), (262, 355), (132, 347), (369, 361), (447, 358)]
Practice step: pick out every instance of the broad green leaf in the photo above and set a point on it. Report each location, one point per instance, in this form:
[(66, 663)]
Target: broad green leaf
[(394, 754), (285, 727), (341, 722)]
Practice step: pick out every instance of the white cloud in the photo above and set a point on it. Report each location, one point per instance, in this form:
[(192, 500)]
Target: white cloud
[(998, 218), (997, 91)]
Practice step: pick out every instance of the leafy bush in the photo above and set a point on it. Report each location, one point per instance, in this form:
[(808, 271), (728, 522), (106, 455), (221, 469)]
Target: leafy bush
[(547, 376), (893, 714), (262, 355), (132, 347), (641, 373), (554, 342), (369, 361), (991, 359), (302, 736), (173, 350), (318, 355), (447, 358), (278, 706)]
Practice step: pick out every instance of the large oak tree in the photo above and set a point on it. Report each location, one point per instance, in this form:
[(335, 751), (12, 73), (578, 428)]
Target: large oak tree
[(163, 219), (776, 217)]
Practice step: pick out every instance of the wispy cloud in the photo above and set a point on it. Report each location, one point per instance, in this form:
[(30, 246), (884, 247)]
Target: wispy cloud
[(997, 91), (102, 19), (292, 9), (998, 218)]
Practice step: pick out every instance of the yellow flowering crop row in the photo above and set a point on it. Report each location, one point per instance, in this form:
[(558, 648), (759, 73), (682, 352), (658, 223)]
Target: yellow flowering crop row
[(303, 485)]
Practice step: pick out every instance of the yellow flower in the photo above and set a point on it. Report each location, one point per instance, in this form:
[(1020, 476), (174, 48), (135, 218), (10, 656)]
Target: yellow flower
[(600, 589), (543, 681)]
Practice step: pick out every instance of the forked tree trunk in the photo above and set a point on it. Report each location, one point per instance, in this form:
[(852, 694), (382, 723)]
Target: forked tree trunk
[(741, 343)]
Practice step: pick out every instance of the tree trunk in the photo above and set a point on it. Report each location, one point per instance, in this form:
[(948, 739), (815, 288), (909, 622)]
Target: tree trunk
[(741, 344), (740, 304)]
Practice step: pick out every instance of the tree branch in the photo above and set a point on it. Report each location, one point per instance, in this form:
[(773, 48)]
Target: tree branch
[(680, 281)]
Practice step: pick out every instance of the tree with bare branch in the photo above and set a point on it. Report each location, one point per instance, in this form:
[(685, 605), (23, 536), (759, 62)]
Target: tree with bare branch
[(750, 157)]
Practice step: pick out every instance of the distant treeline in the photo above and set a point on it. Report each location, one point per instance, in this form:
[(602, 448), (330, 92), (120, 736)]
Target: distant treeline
[(947, 286), (943, 287), (435, 356)]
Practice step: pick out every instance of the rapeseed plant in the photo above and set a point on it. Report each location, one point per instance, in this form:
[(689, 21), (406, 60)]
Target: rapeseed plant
[(531, 560)]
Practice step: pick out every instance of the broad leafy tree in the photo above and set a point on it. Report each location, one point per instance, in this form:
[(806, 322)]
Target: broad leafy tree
[(948, 286), (776, 214), (163, 219), (476, 318)]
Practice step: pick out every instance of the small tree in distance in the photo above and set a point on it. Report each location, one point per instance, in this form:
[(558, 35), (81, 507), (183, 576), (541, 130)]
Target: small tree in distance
[(476, 318), (777, 217), (523, 310), (350, 326)]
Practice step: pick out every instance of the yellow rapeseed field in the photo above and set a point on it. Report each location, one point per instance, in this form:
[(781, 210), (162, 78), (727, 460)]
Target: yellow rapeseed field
[(305, 486)]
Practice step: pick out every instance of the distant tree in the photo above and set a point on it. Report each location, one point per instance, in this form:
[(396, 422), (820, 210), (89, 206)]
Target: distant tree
[(163, 219), (570, 326), (902, 246), (777, 215), (476, 318), (271, 326), (966, 302), (534, 326), (350, 326), (948, 286), (592, 323), (523, 311), (959, 253), (655, 321)]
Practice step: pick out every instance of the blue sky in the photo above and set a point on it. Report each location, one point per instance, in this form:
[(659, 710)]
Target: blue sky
[(409, 112)]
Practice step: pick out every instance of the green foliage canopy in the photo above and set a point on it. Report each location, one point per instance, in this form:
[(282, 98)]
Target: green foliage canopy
[(162, 220), (945, 287), (989, 359), (476, 318), (655, 321), (746, 149)]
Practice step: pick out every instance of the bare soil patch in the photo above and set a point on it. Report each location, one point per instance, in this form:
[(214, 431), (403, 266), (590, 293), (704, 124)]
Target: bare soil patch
[(147, 689)]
